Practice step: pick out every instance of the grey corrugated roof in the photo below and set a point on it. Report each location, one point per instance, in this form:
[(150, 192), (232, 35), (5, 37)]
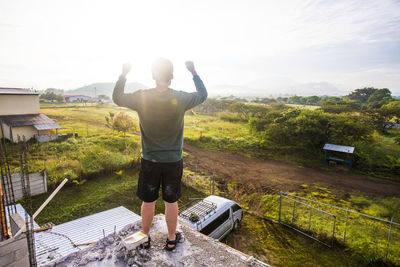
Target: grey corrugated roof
[(339, 148), (21, 211), (86, 229), (39, 121), (16, 91)]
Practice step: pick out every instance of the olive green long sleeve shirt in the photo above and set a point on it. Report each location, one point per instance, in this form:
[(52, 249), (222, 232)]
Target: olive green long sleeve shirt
[(161, 117)]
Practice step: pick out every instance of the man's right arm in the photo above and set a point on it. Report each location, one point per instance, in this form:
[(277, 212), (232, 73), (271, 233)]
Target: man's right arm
[(132, 100)]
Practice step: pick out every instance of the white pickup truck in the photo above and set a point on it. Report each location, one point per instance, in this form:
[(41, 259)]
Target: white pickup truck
[(213, 216)]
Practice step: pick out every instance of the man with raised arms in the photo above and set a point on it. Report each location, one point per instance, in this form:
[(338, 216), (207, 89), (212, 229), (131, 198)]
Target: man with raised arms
[(161, 113)]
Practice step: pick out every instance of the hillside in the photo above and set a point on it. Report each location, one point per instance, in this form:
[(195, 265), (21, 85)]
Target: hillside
[(104, 89)]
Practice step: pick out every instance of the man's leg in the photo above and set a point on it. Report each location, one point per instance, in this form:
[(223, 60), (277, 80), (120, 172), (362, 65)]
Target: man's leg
[(171, 189), (171, 218), (147, 215)]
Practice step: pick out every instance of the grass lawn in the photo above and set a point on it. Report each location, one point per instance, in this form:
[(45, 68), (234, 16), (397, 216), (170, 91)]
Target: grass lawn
[(94, 157), (278, 245), (366, 239)]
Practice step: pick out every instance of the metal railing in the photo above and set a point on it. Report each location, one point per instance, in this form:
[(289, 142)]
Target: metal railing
[(211, 178), (328, 224), (305, 227)]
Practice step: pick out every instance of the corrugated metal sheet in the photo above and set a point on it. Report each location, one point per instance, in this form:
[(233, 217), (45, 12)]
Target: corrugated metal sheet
[(339, 148), (16, 91), (37, 181), (39, 121), (87, 229), (47, 126), (20, 211)]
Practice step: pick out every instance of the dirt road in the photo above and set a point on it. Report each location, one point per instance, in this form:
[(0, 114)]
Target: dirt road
[(270, 176)]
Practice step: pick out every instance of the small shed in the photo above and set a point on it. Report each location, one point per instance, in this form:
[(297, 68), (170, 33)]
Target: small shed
[(28, 125), (339, 148)]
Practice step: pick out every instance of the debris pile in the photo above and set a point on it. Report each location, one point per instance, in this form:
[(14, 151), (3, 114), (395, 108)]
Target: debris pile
[(195, 249)]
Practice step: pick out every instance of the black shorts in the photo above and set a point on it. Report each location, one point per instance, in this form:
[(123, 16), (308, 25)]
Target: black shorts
[(154, 174)]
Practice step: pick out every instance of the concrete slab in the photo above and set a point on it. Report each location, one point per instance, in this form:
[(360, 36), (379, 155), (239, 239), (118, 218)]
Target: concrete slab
[(195, 249)]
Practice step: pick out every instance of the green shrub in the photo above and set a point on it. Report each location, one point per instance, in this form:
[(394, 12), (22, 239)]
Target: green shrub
[(231, 117)]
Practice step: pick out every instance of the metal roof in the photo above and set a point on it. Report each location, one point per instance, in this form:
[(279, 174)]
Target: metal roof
[(86, 229), (339, 148), (21, 211), (16, 91), (39, 121)]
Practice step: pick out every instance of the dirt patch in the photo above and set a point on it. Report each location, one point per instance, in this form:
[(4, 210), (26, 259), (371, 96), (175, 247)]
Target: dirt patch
[(270, 176)]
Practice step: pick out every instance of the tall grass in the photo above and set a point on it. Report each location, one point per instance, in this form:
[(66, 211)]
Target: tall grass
[(80, 158), (365, 237)]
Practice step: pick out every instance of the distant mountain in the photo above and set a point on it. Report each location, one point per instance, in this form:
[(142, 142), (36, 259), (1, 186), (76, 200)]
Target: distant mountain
[(103, 89)]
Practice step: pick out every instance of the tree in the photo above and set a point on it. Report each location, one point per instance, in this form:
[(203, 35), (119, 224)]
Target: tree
[(340, 106), (379, 98), (312, 100), (246, 111), (392, 111), (361, 95), (109, 120), (51, 96), (121, 122), (59, 98), (297, 100)]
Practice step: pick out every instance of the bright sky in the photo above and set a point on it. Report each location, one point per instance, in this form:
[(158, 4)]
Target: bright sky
[(69, 43)]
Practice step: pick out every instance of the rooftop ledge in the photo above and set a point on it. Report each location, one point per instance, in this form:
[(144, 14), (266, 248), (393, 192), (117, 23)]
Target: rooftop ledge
[(196, 249)]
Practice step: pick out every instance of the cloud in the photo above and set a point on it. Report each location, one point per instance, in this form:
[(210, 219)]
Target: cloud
[(233, 42)]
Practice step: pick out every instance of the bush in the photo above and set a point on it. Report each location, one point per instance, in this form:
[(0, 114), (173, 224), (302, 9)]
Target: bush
[(311, 128), (231, 117)]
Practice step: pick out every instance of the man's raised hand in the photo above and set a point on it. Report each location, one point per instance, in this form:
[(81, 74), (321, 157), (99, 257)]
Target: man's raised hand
[(190, 67), (126, 68)]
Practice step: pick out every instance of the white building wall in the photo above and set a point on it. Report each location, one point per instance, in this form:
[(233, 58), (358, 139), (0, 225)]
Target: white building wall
[(27, 131), (19, 104)]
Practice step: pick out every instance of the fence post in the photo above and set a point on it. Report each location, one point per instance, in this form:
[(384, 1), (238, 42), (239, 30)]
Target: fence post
[(280, 205), (389, 235), (309, 220), (333, 230), (347, 220), (213, 190), (210, 185), (294, 210)]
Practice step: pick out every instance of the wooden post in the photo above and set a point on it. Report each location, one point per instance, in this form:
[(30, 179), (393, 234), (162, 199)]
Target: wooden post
[(351, 160)]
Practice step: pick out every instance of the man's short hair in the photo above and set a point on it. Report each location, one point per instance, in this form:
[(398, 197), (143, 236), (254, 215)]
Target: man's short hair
[(162, 70)]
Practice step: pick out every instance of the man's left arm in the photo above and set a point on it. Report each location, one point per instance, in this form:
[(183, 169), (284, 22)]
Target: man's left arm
[(193, 99)]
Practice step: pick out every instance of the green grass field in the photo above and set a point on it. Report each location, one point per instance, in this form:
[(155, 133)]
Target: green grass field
[(366, 238), (94, 158), (95, 195)]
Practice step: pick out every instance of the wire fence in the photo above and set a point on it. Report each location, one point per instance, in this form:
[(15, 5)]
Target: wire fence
[(376, 238), (202, 182)]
